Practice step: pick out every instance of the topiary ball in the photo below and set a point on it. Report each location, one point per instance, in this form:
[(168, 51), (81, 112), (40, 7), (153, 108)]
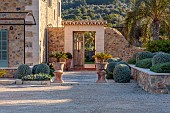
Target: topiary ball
[(160, 58), (143, 55), (34, 69), (42, 68), (145, 63), (113, 60), (23, 70), (109, 70), (122, 73)]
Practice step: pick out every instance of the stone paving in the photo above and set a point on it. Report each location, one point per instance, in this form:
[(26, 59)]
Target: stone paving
[(80, 94)]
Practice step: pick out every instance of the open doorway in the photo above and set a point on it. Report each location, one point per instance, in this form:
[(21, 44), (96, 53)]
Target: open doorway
[(83, 48)]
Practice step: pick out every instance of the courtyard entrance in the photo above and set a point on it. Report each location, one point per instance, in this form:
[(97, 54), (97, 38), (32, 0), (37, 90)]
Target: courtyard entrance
[(83, 48), (83, 39)]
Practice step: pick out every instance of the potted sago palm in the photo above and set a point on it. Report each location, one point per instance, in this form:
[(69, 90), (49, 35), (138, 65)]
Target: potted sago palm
[(101, 65), (58, 65)]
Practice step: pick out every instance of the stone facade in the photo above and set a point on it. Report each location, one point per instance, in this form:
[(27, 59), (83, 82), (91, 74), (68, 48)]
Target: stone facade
[(150, 81), (55, 40), (35, 35), (117, 45), (15, 32), (49, 16)]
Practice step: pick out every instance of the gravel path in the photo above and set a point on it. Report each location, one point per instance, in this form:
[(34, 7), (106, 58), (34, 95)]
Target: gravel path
[(83, 96)]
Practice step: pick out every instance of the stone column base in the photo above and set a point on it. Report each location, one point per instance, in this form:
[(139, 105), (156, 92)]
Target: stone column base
[(58, 74), (101, 76)]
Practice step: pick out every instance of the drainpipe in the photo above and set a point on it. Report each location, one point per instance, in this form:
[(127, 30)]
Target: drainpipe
[(47, 31)]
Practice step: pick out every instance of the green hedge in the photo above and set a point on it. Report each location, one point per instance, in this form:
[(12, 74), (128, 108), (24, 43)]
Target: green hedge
[(143, 55), (37, 77), (145, 63), (160, 58), (161, 68), (132, 61), (159, 45)]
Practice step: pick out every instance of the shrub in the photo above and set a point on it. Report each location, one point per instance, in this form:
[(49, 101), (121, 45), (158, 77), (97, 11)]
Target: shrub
[(36, 77), (122, 73), (159, 45), (155, 53), (161, 68), (143, 55), (113, 60), (160, 58), (69, 55), (42, 68), (109, 70), (132, 61), (23, 70), (145, 63), (122, 62), (34, 69)]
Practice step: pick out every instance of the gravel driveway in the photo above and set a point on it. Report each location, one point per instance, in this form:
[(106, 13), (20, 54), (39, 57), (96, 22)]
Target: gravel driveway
[(80, 94)]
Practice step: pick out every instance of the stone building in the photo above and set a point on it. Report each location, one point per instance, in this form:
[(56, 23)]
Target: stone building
[(23, 30)]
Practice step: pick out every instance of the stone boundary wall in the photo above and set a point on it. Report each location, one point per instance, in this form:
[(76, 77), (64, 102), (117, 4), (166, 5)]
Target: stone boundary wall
[(150, 81), (55, 40), (10, 72), (116, 44)]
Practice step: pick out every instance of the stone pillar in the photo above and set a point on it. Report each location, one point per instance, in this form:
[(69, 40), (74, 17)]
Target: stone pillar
[(101, 76)]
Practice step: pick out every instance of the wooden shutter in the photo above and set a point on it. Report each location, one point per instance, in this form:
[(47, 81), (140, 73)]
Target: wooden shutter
[(3, 48)]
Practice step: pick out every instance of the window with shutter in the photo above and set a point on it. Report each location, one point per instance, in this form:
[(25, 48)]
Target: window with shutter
[(3, 48)]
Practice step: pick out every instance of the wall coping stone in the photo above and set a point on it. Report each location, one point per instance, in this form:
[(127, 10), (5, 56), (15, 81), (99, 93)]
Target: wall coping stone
[(147, 71)]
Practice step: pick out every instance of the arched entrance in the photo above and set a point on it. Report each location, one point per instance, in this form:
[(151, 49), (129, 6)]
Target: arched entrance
[(74, 38)]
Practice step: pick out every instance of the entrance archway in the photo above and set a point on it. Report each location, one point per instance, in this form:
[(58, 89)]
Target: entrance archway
[(83, 26)]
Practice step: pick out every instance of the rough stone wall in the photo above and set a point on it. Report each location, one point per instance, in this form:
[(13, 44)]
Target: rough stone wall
[(117, 45), (152, 83), (15, 32), (55, 40)]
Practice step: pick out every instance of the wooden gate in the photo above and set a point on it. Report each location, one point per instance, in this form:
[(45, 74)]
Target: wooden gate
[(78, 49)]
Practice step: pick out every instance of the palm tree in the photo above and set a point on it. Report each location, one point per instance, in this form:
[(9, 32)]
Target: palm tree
[(150, 15)]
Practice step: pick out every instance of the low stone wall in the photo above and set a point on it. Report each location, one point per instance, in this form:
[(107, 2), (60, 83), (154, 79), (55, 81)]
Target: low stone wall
[(150, 81), (10, 72)]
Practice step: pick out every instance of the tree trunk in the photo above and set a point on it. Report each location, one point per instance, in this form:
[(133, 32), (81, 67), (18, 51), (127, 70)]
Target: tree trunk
[(156, 28)]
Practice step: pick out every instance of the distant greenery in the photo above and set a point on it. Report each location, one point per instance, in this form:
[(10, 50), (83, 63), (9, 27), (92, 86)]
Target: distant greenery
[(114, 11)]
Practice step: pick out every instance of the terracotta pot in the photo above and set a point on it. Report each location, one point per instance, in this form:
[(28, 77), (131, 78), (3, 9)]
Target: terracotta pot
[(59, 65)]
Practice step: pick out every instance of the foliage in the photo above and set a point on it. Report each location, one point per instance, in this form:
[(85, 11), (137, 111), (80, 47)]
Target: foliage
[(42, 68), (161, 68), (34, 69), (58, 55), (113, 60), (122, 62), (143, 55), (159, 45), (69, 55), (110, 69), (151, 17), (132, 61), (160, 58), (51, 69), (145, 63), (122, 73), (114, 11), (2, 72), (23, 70), (37, 77), (102, 56)]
